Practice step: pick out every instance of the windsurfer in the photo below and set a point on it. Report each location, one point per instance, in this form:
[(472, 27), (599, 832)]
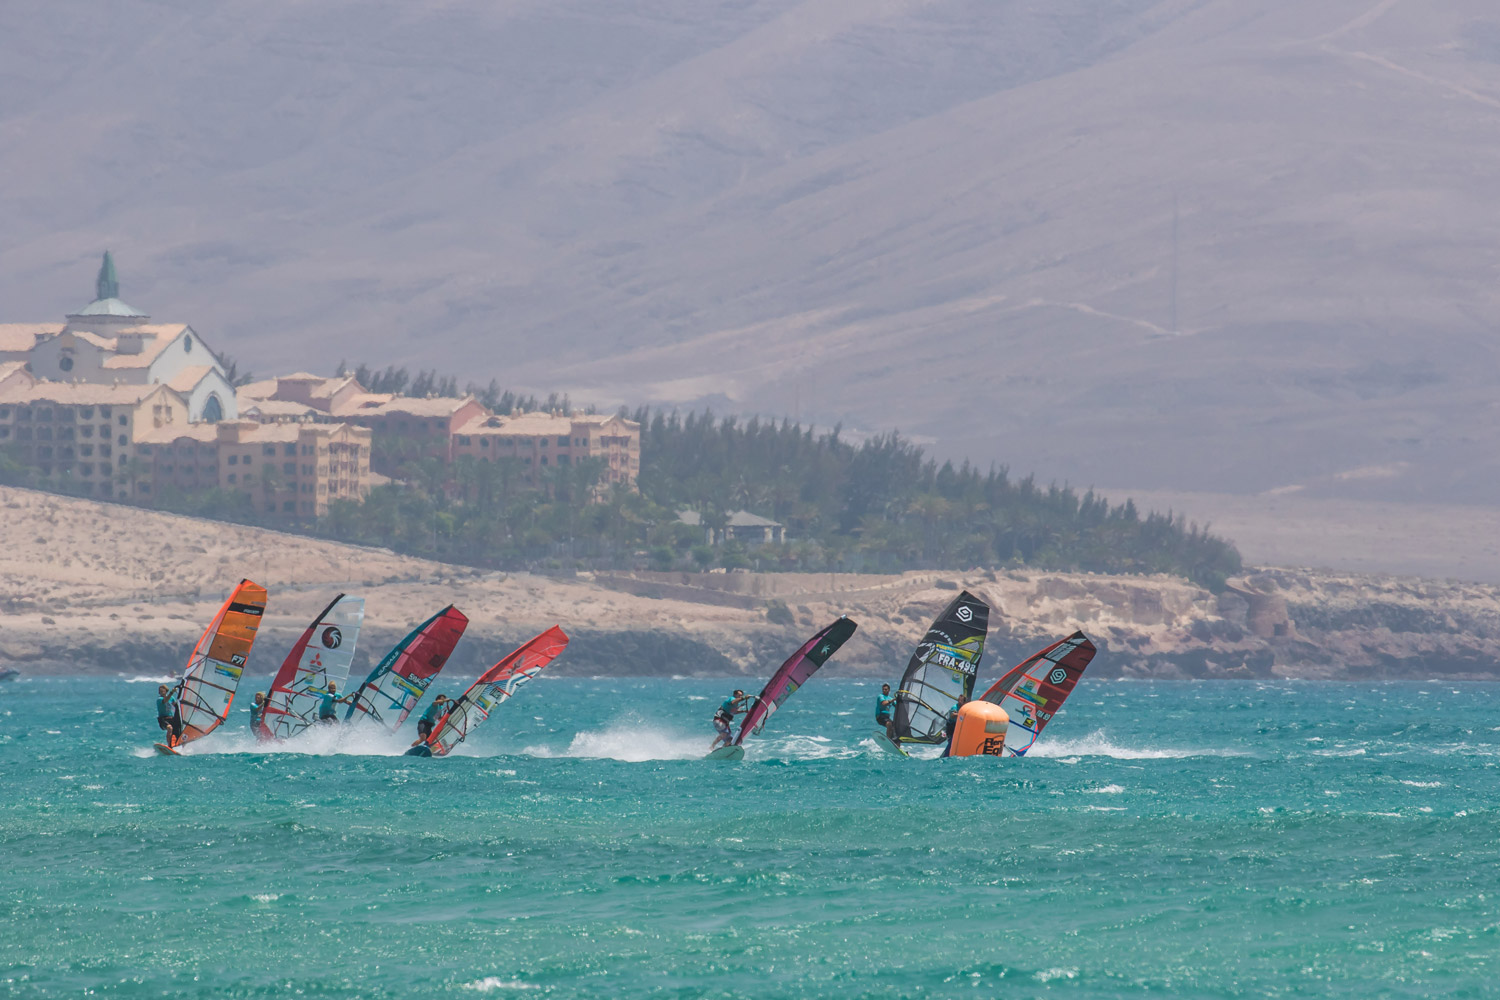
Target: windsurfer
[(326, 711), (257, 713), (949, 725), (430, 719), (724, 716), (169, 713), (885, 711)]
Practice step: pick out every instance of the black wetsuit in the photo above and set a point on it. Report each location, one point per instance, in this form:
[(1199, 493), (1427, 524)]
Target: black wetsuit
[(430, 719), (948, 727)]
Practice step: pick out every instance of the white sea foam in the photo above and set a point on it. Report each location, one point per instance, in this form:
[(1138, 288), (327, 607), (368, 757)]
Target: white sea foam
[(489, 983), (1098, 744), (320, 741), (266, 897), (1106, 790), (795, 747), (1047, 975), (630, 741), (1422, 784)]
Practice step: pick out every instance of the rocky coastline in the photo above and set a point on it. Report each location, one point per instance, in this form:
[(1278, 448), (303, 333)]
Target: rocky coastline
[(89, 588)]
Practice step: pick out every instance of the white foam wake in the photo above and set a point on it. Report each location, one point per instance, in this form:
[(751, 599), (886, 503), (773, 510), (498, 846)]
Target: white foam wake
[(1098, 744), (632, 742), (319, 741)]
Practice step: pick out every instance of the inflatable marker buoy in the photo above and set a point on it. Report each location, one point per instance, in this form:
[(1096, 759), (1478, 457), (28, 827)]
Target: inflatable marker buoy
[(980, 730)]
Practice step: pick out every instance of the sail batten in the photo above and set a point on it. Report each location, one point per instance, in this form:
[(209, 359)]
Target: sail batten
[(1034, 690), (794, 673), (940, 675), (399, 680), (322, 654), (493, 688), (213, 671)]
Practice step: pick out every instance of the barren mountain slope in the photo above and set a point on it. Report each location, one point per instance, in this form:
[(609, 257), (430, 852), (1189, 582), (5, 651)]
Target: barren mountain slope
[(954, 216)]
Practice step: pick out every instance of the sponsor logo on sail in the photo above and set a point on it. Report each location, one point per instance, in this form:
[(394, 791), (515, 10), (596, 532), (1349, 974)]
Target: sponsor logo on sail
[(1058, 675), (332, 637)]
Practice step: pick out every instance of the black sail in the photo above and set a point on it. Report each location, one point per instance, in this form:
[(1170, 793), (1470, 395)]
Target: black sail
[(940, 676)]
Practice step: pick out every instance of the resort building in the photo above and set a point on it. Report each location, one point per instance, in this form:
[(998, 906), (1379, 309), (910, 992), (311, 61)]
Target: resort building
[(426, 426), (537, 442), (109, 341), (14, 373), (298, 397), (449, 427), (291, 470), (85, 435)]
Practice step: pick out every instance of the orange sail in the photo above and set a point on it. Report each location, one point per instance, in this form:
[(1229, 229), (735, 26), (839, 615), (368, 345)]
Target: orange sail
[(213, 671)]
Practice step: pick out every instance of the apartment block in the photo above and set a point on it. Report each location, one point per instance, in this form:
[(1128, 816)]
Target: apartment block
[(290, 470), (537, 442), (86, 434)]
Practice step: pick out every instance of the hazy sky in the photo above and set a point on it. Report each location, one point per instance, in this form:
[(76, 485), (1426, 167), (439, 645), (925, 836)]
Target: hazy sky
[(955, 217)]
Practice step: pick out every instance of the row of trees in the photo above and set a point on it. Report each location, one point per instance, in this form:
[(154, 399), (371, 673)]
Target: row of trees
[(424, 383), (879, 505)]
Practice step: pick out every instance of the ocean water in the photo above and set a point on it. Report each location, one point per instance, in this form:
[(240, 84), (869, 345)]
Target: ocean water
[(1165, 839)]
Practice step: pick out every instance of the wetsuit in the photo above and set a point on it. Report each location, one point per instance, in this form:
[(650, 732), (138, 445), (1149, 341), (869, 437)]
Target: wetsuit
[(326, 710), (257, 713), (948, 727), (725, 715), (169, 715), (430, 718), (885, 709)]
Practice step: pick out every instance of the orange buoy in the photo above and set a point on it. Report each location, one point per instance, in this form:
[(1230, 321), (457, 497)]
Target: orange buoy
[(980, 730)]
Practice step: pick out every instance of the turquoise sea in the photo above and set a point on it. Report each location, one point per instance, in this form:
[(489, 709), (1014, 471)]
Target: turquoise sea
[(1166, 839)]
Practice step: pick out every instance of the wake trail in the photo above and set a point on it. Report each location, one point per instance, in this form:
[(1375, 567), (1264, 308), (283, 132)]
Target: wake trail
[(629, 742), (1098, 744)]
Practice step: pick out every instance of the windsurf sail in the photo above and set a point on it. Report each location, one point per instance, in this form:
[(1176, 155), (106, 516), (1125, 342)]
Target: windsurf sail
[(213, 671), (399, 680), (1033, 691), (494, 686), (794, 673), (940, 675), (322, 654)]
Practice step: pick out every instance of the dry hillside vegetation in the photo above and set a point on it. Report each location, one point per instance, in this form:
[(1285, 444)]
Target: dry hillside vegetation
[(93, 587)]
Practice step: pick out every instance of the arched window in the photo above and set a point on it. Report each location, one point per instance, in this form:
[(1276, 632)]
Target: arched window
[(213, 410)]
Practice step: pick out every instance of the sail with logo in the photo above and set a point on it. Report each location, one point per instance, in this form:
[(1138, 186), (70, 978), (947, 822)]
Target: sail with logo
[(940, 675), (1032, 691), (213, 671), (400, 679), (493, 688), (321, 656)]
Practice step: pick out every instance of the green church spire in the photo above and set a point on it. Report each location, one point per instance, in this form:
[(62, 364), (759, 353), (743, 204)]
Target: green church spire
[(108, 285)]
